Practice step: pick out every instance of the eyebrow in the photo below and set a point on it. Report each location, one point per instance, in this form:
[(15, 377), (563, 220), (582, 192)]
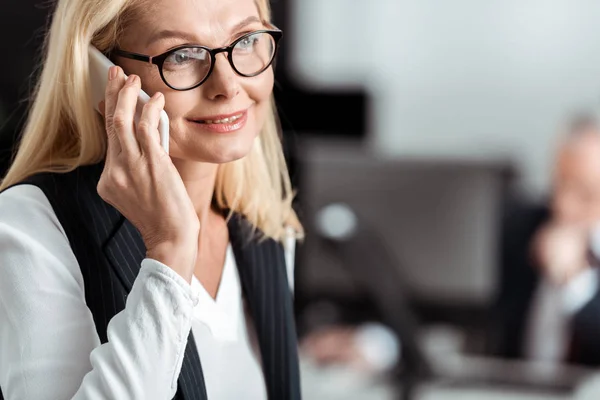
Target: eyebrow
[(175, 34)]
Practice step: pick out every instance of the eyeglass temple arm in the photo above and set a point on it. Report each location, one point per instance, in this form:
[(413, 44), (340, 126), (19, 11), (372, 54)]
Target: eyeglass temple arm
[(133, 56)]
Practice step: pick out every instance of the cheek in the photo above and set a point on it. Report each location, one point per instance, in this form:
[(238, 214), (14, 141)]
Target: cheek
[(259, 90), (178, 104), (260, 87)]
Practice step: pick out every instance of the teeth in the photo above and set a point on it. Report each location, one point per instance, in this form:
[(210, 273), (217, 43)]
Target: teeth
[(224, 120)]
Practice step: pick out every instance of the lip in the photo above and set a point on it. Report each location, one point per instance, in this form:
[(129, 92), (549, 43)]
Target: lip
[(222, 127), (220, 116)]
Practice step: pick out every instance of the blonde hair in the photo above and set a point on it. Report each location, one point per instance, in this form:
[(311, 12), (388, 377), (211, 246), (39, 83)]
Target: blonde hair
[(64, 132)]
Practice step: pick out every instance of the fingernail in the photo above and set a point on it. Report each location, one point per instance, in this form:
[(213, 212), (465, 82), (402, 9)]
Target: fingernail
[(131, 79), (156, 96), (112, 73)]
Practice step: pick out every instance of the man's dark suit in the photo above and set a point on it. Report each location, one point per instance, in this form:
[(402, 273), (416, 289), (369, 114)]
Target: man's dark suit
[(519, 280)]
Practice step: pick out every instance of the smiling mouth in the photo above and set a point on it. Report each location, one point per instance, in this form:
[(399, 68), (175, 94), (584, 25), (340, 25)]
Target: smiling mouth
[(228, 120)]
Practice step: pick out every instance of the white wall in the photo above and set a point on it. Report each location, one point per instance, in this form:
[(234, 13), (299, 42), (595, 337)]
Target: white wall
[(460, 78)]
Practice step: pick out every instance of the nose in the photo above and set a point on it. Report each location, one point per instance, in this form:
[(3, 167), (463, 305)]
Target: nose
[(223, 82)]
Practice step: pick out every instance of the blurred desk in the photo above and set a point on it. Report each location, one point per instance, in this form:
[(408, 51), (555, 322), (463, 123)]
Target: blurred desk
[(460, 378), (475, 371), (435, 392), (482, 378), (338, 383)]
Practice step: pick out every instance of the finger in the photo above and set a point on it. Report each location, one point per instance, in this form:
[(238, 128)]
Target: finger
[(109, 151), (147, 129), (123, 116), (113, 85)]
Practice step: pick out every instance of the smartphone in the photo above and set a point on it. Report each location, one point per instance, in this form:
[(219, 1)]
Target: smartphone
[(99, 65)]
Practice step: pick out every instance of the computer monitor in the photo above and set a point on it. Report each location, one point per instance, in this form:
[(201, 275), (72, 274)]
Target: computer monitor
[(440, 219)]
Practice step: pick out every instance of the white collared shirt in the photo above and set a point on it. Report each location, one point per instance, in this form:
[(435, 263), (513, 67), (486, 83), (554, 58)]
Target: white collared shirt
[(226, 339), (49, 348), (548, 331)]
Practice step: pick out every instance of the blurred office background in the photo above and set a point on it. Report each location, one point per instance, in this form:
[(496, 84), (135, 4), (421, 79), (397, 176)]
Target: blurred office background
[(417, 133)]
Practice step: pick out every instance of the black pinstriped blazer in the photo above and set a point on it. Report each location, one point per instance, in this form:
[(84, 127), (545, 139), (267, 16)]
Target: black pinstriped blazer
[(109, 250)]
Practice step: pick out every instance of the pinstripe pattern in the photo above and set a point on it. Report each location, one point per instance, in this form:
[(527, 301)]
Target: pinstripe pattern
[(261, 265), (110, 249)]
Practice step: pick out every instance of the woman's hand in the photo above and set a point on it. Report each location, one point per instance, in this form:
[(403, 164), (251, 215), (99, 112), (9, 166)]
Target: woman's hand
[(140, 180)]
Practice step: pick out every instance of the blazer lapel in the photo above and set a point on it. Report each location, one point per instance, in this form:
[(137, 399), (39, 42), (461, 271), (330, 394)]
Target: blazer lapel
[(261, 265)]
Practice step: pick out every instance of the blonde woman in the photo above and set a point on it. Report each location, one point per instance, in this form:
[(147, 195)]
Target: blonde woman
[(129, 273)]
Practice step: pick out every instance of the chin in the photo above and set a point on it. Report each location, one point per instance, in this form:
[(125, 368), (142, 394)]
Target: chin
[(217, 151), (224, 156)]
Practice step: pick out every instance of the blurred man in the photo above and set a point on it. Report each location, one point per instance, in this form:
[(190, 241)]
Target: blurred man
[(549, 305)]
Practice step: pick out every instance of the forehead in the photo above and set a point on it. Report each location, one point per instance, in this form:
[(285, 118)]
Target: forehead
[(207, 20)]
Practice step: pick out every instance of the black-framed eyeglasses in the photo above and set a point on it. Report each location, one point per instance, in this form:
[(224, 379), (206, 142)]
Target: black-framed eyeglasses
[(187, 67)]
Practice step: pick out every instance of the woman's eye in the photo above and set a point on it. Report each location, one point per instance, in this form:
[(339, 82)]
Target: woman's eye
[(179, 57), (186, 58), (247, 43)]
